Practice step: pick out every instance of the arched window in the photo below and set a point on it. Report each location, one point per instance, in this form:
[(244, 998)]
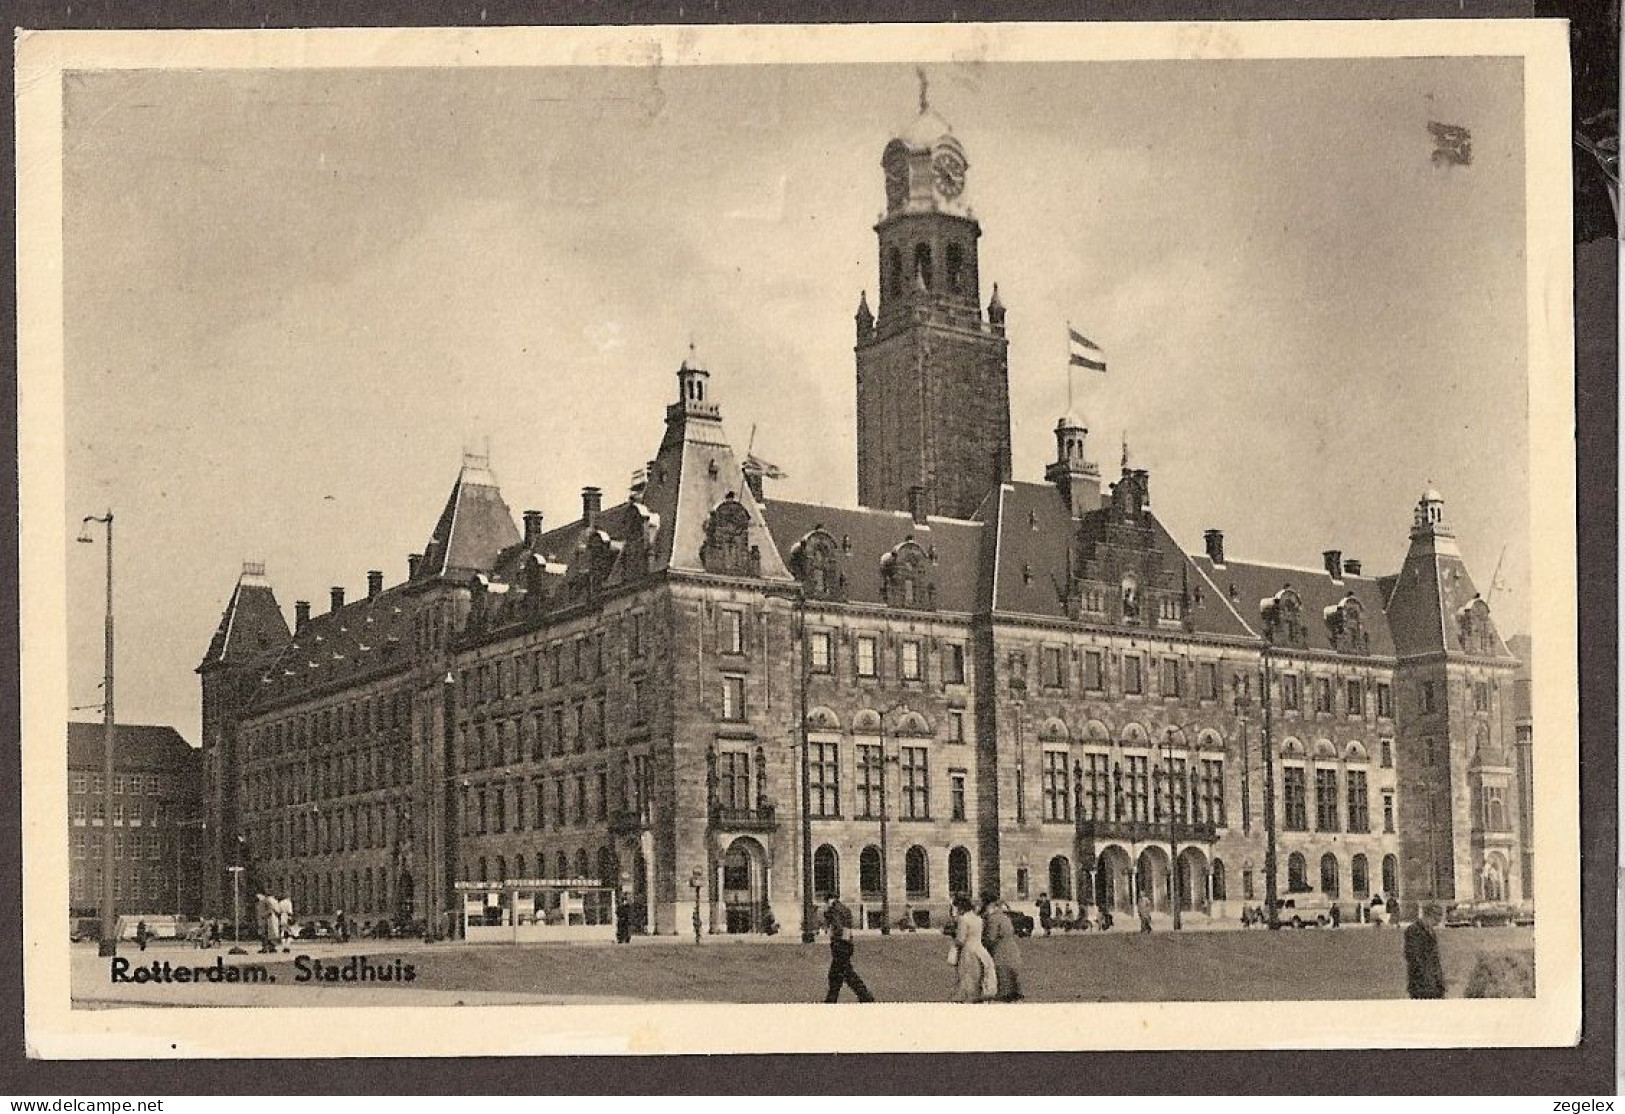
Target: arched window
[(894, 271), (922, 263), (869, 873), (1218, 880), (609, 867), (1060, 878), (563, 865), (1360, 876), (1297, 873), (1390, 876), (956, 266), (826, 874), (502, 868), (1328, 874), (484, 877), (916, 873), (583, 868), (519, 866), (959, 871)]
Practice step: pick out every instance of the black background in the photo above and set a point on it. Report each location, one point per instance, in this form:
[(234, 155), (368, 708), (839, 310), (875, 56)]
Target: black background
[(1587, 1069)]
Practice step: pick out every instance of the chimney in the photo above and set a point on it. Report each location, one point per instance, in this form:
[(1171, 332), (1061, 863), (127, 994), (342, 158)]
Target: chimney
[(1351, 566), (533, 529), (1333, 559), (413, 560), (301, 615), (916, 502), (1214, 539), (375, 583), (592, 501), (337, 594)]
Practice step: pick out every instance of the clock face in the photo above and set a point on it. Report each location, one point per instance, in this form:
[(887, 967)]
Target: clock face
[(896, 183), (948, 174)]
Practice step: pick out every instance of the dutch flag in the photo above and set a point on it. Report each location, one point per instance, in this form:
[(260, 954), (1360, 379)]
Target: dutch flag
[(1083, 352)]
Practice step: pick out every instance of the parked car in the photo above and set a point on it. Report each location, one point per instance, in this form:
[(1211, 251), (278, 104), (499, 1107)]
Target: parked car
[(1303, 911)]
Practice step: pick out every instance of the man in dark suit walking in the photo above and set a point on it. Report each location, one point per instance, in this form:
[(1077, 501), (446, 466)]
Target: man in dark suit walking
[(838, 919), (1424, 974)]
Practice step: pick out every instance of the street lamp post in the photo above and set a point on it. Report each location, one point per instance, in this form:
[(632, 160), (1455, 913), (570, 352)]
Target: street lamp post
[(809, 931), (109, 932), (1176, 785), (1266, 699), (236, 909), (697, 880)]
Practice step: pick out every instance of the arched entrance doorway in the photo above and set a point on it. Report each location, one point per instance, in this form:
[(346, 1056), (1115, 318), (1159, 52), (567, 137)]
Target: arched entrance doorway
[(1114, 880), (1193, 880), (1151, 876), (744, 885), (1060, 878)]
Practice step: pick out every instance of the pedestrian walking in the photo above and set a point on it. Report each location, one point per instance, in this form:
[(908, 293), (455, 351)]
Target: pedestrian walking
[(141, 934), (1337, 915), (1393, 909), (838, 919), (1046, 912), (623, 919), (1145, 912), (978, 980), (999, 937), (1424, 974), (341, 928)]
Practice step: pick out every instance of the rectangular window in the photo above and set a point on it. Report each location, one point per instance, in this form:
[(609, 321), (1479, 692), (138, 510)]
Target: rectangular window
[(824, 778), (1057, 788), (1207, 679), (1097, 786), (1291, 698), (866, 655), (600, 722), (634, 634), (953, 664), (868, 772), (1295, 806), (1388, 810), (556, 665), (733, 699), (1136, 789), (1387, 750), (78, 812), (96, 783), (1094, 673), (635, 699), (581, 799), (484, 818), (500, 799), (78, 845), (1133, 684), (79, 783), (1050, 669), (602, 796), (1385, 700), (118, 783), (1170, 676), (956, 725), (118, 812), (1426, 696), (916, 783), (1323, 694), (1355, 702), (733, 779), (1326, 800), (956, 794), (560, 735), (820, 656), (581, 727), (1212, 791), (559, 814), (909, 660), (731, 632), (1359, 803), (1481, 697)]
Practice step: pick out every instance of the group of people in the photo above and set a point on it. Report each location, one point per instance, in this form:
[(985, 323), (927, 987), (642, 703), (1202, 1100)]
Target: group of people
[(984, 954), (1063, 915)]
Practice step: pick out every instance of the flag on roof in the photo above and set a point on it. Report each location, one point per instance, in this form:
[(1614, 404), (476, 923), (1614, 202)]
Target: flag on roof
[(1083, 352), (768, 471)]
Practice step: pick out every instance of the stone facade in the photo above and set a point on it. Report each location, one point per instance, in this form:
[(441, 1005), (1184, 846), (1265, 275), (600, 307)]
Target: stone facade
[(1036, 692)]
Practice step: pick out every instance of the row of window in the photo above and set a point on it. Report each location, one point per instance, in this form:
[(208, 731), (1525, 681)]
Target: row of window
[(1133, 789), (580, 799), (1427, 696), (916, 873), (357, 891), (583, 658), (909, 798), (1295, 801), (355, 828), (360, 717), (605, 866), (1331, 883), (156, 813), (132, 845), (150, 785), (867, 659), (293, 782), (136, 883), (563, 729)]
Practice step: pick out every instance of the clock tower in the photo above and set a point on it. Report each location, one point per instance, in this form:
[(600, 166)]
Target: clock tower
[(933, 371)]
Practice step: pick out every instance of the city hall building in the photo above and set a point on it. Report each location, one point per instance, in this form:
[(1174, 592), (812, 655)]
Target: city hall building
[(721, 701)]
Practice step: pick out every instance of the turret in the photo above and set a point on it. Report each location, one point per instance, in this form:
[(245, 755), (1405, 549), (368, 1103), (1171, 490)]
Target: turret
[(1072, 472)]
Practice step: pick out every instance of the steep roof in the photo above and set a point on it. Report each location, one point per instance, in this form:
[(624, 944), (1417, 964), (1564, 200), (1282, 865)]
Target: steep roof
[(251, 626), (1245, 583), (1036, 533), (1429, 596), (474, 527), (866, 536), (365, 638), (135, 747)]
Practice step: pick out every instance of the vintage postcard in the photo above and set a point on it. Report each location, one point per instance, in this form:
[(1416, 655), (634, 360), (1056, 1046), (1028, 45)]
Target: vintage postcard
[(643, 540)]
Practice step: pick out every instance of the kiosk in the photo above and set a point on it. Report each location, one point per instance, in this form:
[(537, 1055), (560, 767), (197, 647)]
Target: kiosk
[(537, 910)]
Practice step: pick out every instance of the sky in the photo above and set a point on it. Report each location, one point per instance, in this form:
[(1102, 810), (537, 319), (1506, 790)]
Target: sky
[(293, 300)]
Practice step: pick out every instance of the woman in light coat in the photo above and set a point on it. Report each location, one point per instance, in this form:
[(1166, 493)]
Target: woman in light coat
[(977, 979), (999, 936)]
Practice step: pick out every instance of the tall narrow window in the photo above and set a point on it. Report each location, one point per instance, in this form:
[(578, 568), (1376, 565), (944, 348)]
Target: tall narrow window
[(956, 794), (910, 660), (866, 656), (1295, 808), (1094, 675), (956, 267), (1133, 684), (916, 783), (1057, 791), (1359, 804), (922, 264), (733, 699), (732, 634), (868, 773), (953, 664), (819, 652), (1326, 800), (824, 781)]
